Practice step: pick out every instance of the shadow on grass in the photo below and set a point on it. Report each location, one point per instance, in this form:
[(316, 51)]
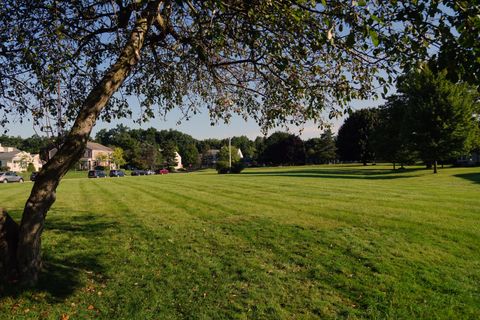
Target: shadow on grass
[(473, 177), (371, 174), (60, 277), (84, 224)]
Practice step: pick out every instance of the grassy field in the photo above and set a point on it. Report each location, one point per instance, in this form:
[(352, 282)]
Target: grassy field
[(328, 242)]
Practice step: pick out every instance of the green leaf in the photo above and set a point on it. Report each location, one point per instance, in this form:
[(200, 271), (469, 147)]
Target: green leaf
[(376, 18), (374, 37)]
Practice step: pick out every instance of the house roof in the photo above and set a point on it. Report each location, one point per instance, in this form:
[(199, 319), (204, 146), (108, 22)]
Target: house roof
[(13, 149), (97, 146), (212, 152), (9, 155)]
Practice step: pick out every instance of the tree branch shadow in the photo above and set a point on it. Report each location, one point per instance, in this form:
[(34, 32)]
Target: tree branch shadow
[(348, 173), (61, 276), (473, 177)]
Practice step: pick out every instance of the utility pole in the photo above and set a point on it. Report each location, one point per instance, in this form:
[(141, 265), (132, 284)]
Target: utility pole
[(230, 152)]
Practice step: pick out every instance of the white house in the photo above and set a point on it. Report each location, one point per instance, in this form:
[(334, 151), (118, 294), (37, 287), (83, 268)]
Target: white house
[(17, 160), (7, 149), (239, 153), (178, 160)]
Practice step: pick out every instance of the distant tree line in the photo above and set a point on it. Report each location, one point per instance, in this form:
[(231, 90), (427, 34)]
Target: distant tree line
[(32, 144), (151, 148), (145, 148)]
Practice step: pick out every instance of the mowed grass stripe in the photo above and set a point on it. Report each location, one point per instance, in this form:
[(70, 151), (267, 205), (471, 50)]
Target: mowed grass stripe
[(403, 224), (231, 204), (375, 195), (419, 215), (407, 226)]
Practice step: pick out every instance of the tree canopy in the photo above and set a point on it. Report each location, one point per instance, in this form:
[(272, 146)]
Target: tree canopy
[(272, 60), (321, 150), (355, 136), (392, 135), (440, 115), (282, 148)]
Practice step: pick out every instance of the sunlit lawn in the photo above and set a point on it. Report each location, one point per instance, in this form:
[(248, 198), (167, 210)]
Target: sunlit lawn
[(305, 242)]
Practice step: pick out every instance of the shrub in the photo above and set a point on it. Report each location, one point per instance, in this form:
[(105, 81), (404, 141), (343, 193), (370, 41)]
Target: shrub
[(237, 167), (222, 167), (170, 168), (30, 167)]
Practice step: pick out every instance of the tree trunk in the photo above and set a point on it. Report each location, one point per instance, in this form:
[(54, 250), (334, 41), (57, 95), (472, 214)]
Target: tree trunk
[(43, 195), (394, 166), (8, 247), (435, 166)]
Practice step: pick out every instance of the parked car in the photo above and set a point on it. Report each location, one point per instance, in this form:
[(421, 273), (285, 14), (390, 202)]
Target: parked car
[(149, 172), (10, 176), (138, 172), (97, 174), (33, 176), (162, 171), (117, 173)]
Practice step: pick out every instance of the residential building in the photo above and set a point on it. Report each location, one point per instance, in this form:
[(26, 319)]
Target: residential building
[(17, 160), (210, 158), (178, 160), (95, 155), (471, 159)]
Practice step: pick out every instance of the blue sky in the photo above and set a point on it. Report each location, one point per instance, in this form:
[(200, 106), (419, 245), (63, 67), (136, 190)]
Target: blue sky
[(199, 126)]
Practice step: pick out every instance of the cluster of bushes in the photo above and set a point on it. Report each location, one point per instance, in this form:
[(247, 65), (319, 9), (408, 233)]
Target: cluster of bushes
[(223, 167)]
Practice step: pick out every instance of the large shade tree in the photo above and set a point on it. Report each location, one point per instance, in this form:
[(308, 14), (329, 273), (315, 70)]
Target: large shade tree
[(275, 61), (440, 115)]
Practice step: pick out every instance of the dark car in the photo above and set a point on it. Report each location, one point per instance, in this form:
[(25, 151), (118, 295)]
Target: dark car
[(117, 173), (138, 173), (10, 176), (33, 176), (162, 171), (97, 174)]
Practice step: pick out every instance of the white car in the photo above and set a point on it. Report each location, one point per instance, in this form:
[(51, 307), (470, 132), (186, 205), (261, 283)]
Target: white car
[(10, 176)]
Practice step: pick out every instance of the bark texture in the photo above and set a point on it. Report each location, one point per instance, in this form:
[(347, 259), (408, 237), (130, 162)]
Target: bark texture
[(43, 195)]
